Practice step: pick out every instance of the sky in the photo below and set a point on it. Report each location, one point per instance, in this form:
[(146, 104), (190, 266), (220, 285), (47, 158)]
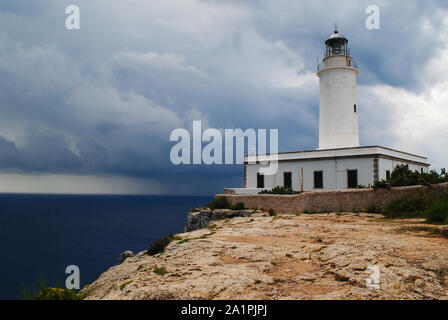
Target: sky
[(92, 110)]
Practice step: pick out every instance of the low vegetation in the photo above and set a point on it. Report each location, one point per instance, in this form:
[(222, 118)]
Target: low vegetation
[(41, 291), (279, 190), (51, 293), (223, 203), (237, 206), (160, 271), (123, 285), (431, 230), (219, 203), (373, 208), (438, 211), (422, 203), (159, 245), (403, 176)]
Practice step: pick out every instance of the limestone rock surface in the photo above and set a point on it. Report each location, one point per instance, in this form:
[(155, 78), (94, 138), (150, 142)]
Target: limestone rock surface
[(321, 256)]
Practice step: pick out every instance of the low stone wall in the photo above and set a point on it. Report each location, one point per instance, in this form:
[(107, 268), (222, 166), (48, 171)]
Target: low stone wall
[(327, 201)]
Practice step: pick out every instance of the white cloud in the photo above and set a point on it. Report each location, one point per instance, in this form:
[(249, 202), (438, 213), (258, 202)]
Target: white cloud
[(149, 62), (410, 120), (104, 99)]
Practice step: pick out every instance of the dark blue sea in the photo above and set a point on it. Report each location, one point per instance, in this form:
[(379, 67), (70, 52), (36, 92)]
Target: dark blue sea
[(40, 235)]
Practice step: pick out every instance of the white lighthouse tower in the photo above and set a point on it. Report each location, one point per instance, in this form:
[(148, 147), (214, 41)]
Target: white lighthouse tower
[(338, 117), (340, 162)]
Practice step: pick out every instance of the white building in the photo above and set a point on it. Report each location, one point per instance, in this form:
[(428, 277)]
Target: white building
[(339, 162)]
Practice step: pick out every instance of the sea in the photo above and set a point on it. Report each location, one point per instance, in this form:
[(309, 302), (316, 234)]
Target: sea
[(40, 235)]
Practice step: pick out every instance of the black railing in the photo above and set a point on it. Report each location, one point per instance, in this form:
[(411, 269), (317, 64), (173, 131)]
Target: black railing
[(349, 63)]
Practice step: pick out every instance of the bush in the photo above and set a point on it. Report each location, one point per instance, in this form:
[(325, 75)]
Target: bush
[(279, 190), (373, 208), (160, 244), (402, 176), (237, 206), (423, 203), (410, 205), (271, 212), (49, 293), (438, 211), (160, 271), (381, 184), (41, 291), (219, 203)]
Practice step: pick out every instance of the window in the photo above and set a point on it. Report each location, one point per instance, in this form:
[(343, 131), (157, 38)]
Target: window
[(421, 169), (387, 174), (352, 179), (260, 180), (318, 179), (354, 108), (287, 180)]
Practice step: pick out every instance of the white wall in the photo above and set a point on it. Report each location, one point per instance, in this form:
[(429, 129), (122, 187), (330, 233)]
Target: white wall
[(334, 173), (338, 123)]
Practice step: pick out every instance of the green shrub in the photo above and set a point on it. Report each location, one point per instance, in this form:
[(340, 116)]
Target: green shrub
[(219, 203), (381, 184), (160, 271), (49, 293), (279, 190), (422, 203), (373, 208), (41, 291), (160, 244), (410, 205), (271, 212), (123, 285), (212, 226), (403, 176), (237, 206), (438, 211)]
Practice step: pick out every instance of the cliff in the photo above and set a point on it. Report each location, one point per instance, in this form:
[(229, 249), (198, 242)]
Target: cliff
[(203, 217), (321, 256)]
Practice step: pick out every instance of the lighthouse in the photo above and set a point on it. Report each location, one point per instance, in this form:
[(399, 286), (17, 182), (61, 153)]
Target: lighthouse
[(339, 163), (338, 110)]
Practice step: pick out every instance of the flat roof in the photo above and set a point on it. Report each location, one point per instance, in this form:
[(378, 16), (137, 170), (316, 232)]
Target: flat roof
[(340, 152)]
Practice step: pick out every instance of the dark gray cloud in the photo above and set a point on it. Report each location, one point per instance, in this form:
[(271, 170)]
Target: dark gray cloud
[(103, 100)]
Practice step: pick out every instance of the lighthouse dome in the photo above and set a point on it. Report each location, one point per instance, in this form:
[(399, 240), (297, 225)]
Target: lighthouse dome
[(336, 44), (335, 38)]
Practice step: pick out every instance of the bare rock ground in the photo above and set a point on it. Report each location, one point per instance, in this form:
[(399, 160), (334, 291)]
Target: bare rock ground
[(321, 256)]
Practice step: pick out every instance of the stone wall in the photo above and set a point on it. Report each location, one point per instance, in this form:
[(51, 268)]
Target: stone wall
[(327, 201)]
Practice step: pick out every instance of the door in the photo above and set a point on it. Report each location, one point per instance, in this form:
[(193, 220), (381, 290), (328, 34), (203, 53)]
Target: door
[(352, 179), (287, 180), (318, 179), (260, 180)]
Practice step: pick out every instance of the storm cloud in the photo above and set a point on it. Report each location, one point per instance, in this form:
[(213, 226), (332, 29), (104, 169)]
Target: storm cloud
[(101, 102)]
